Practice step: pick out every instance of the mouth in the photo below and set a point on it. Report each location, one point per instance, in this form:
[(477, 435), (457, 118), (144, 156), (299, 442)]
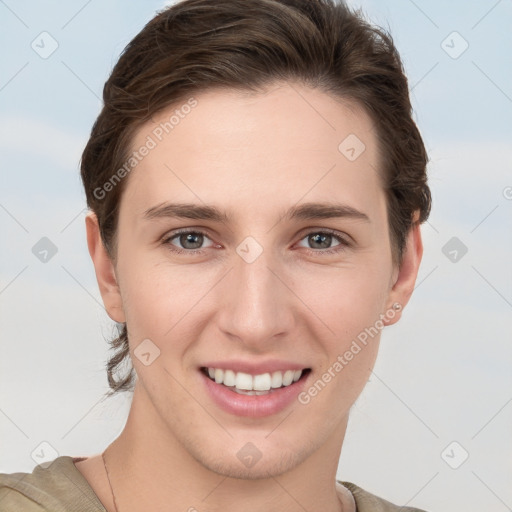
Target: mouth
[(254, 395), (254, 385)]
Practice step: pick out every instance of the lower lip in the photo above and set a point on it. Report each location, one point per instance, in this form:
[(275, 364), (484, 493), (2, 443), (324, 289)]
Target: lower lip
[(255, 406)]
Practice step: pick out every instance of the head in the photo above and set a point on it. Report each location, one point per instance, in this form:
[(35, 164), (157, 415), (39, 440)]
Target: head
[(255, 108)]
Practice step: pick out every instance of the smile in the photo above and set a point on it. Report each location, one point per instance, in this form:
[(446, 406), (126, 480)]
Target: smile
[(247, 384), (254, 395)]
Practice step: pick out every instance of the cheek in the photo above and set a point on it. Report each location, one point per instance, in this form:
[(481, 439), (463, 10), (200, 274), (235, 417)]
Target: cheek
[(160, 299), (351, 307), (350, 304), (347, 299), (168, 303)]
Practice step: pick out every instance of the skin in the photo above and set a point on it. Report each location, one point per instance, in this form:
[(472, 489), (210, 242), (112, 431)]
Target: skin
[(235, 150)]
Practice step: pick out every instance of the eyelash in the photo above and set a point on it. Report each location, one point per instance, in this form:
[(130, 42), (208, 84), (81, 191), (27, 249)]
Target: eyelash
[(343, 242)]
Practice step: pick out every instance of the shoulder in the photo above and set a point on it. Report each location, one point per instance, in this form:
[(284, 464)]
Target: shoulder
[(368, 502), (55, 486)]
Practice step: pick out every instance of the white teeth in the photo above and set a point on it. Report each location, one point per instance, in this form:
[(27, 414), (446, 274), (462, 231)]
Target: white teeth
[(254, 385), (277, 379), (262, 382), (229, 378), (243, 381), (288, 377), (243, 392)]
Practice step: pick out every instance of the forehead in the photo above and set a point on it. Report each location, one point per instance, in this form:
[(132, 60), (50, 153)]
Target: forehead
[(279, 145)]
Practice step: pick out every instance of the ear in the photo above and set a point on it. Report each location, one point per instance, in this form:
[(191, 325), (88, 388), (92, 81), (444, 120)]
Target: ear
[(105, 271), (405, 277)]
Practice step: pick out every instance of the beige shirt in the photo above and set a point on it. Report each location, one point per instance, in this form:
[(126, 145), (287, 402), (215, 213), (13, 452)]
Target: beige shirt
[(60, 487)]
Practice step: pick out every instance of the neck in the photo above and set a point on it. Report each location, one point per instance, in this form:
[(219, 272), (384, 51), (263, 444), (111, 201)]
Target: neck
[(149, 469)]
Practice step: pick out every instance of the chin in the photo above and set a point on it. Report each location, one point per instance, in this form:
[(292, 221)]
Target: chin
[(268, 466)]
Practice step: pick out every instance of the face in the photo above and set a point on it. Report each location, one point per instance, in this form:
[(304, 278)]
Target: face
[(278, 267)]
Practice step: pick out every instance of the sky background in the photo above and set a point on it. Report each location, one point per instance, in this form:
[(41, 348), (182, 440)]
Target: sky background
[(444, 371)]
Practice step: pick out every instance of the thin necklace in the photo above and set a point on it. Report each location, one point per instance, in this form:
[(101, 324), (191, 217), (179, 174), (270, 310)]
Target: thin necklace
[(114, 496), (108, 478)]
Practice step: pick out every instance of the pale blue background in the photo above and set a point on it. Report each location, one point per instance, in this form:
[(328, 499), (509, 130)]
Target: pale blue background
[(444, 372)]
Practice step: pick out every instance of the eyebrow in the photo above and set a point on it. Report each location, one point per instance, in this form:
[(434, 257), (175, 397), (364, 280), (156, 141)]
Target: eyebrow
[(305, 211)]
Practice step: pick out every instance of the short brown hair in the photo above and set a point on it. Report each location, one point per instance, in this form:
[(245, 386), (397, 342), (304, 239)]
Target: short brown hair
[(196, 45)]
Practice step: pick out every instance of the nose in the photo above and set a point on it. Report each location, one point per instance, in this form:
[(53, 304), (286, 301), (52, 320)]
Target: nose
[(256, 306)]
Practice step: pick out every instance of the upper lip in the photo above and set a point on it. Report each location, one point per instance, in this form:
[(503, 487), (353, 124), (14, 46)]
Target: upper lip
[(254, 368)]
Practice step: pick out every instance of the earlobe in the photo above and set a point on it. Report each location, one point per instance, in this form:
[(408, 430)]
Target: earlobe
[(105, 271), (403, 287)]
